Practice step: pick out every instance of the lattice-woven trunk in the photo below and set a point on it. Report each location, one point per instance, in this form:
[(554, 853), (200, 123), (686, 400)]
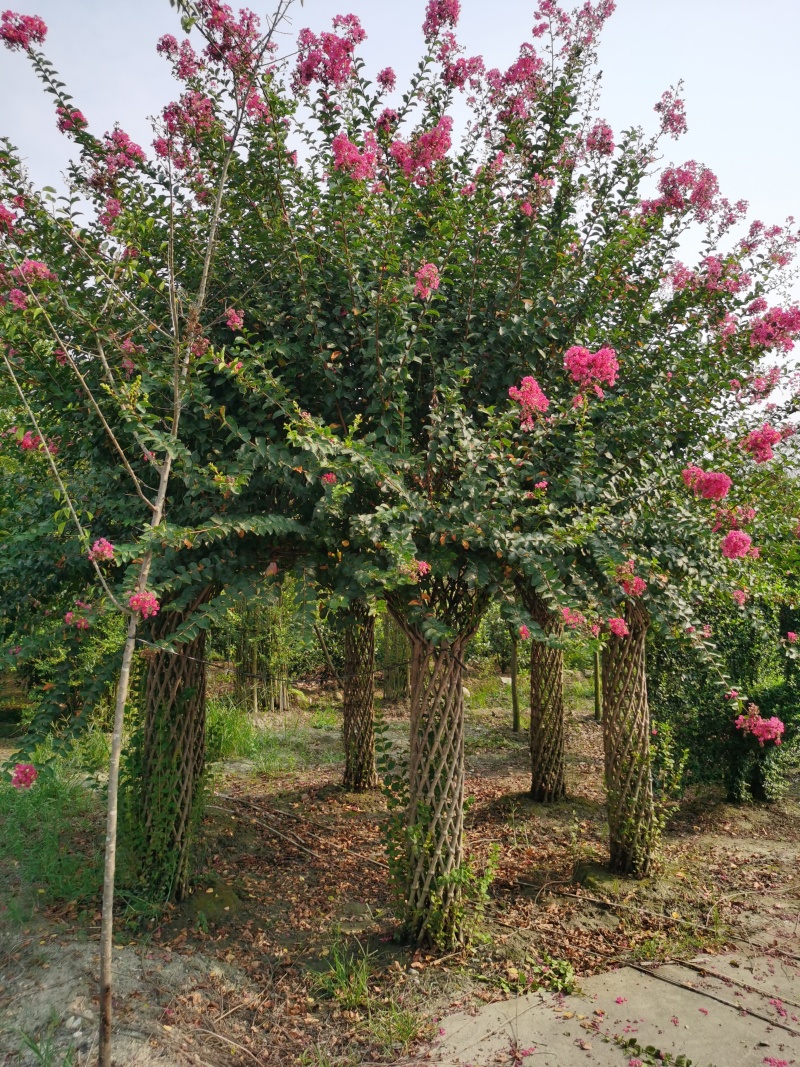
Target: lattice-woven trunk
[(548, 777), (359, 712), (173, 754), (395, 662), (626, 739), (436, 794)]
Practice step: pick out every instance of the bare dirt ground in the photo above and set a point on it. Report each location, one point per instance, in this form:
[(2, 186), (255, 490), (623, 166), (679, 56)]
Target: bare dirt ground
[(292, 884)]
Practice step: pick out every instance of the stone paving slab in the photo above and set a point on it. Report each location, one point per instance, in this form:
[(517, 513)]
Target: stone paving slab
[(673, 1008)]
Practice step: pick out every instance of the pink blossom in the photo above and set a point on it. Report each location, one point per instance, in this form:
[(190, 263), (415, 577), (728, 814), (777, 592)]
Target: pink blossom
[(31, 270), (531, 400), (416, 158), (740, 597), (673, 114), (21, 31), (8, 219), (687, 188), (101, 549), (732, 694), (346, 156), (423, 568), (110, 213), (540, 485), (427, 279), (526, 209), (120, 154), (386, 120), (711, 485), (635, 1062), (468, 189), (600, 139), (618, 627), (771, 1061), (17, 299), (589, 369), (524, 632), (762, 729), (457, 74), (328, 58), (145, 604), (759, 443), (791, 637), (128, 366), (440, 13), (235, 319), (573, 619), (621, 1000), (736, 544), (25, 774), (70, 119), (387, 79), (329, 478), (60, 356), (776, 328)]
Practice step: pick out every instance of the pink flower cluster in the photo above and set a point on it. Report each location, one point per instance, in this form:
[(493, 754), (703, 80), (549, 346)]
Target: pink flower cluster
[(458, 72), (687, 188), (618, 627), (110, 213), (711, 485), (600, 139), (759, 443), (347, 157), (101, 549), (733, 518), (145, 604), (427, 279), (25, 774), (386, 79), (777, 328), (524, 632), (673, 114), (762, 729), (235, 319), (78, 621), (32, 270), (70, 119), (186, 63), (531, 400), (791, 637), (423, 568), (121, 155), (21, 31), (32, 442), (328, 58), (329, 478), (736, 545), (573, 619), (589, 369), (631, 583), (440, 13), (740, 597), (416, 158)]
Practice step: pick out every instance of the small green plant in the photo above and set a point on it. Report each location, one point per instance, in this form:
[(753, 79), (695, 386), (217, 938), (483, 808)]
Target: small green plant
[(46, 1051), (230, 733), (325, 718), (346, 978), (50, 840), (650, 1056), (395, 1029)]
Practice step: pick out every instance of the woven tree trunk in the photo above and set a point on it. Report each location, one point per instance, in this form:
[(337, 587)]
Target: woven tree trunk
[(548, 775), (395, 662), (173, 755), (626, 739), (359, 712), (434, 909)]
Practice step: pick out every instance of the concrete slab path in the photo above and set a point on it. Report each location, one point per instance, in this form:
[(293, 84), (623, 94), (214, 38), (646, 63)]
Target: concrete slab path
[(731, 1010)]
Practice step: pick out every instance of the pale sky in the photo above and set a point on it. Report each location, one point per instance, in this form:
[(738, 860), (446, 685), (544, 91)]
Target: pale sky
[(739, 62)]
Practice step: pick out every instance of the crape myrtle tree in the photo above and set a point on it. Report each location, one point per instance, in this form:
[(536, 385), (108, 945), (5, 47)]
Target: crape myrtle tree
[(113, 320), (547, 242), (380, 292)]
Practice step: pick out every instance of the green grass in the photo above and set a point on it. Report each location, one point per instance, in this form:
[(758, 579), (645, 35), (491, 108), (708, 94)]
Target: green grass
[(346, 978), (395, 1029), (50, 842), (325, 718), (230, 731)]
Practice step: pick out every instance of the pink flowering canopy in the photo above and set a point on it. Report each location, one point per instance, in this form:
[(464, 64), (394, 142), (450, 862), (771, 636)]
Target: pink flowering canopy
[(488, 337)]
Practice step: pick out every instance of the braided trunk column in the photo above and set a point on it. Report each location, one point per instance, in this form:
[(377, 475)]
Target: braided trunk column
[(359, 714), (626, 740), (434, 909), (173, 754), (548, 777)]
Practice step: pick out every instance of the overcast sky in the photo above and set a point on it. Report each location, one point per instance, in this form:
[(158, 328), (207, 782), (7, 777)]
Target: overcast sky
[(739, 62)]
